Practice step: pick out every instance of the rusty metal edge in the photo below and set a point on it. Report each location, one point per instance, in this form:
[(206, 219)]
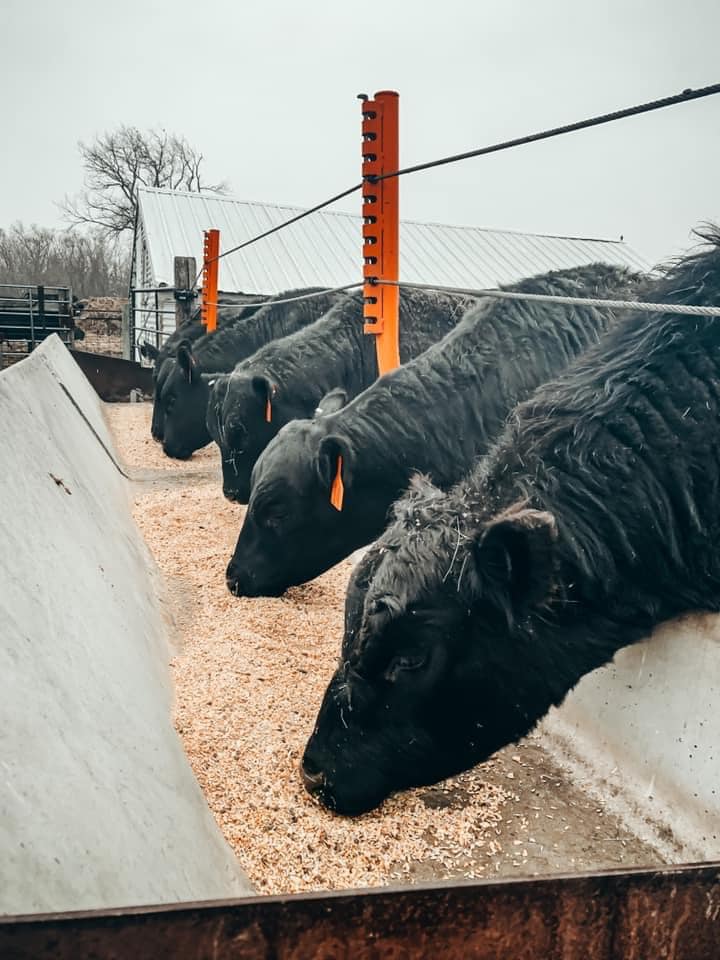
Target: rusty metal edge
[(628, 914), (618, 873), (113, 378)]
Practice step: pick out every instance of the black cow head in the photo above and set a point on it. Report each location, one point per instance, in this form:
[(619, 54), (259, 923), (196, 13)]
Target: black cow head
[(441, 664), (245, 411), (294, 520), (160, 374), (214, 414), (183, 399), (311, 504)]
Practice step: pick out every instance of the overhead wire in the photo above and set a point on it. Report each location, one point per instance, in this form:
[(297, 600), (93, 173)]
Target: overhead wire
[(684, 97), (280, 226), (642, 306), (686, 309), (648, 107), (308, 296)]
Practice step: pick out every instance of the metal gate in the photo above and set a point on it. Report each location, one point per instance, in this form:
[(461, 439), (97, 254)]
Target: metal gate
[(151, 316), (29, 313)]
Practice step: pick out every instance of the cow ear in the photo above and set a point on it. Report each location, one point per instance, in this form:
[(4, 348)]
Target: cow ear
[(187, 362), (335, 463), (149, 351), (331, 402), (378, 612), (266, 390), (515, 560), (357, 590)]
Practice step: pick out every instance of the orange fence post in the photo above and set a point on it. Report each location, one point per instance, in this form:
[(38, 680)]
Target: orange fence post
[(211, 250), (381, 226)]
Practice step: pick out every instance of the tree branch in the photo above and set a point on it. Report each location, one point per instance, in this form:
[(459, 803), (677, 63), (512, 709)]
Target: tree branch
[(117, 163)]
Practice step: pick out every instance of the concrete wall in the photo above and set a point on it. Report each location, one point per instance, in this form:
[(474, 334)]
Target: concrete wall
[(98, 806), (644, 733)]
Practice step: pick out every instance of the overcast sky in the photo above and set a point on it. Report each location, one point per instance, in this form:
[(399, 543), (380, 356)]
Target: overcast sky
[(266, 90)]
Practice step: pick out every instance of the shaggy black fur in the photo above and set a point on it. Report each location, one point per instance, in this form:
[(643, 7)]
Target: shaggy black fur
[(436, 415), (592, 520), (184, 392), (293, 375)]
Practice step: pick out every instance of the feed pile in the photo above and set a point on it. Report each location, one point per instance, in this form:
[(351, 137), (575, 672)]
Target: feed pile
[(248, 683)]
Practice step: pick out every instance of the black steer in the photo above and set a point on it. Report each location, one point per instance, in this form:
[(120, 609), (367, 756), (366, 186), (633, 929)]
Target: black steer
[(183, 388), (231, 310), (434, 415), (286, 380), (593, 519)]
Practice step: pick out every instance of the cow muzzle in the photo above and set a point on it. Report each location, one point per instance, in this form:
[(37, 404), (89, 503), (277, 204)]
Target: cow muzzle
[(242, 582), (312, 778)]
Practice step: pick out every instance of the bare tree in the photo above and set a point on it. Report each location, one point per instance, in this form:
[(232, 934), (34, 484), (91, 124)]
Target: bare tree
[(119, 162), (91, 263)]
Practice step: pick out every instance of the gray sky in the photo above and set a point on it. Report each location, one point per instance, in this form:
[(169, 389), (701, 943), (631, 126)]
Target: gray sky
[(267, 91)]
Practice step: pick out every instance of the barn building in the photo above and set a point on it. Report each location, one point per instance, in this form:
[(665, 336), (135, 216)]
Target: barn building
[(325, 250)]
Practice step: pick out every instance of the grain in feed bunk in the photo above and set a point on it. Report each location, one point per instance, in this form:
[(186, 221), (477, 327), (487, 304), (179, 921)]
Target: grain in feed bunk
[(57, 900)]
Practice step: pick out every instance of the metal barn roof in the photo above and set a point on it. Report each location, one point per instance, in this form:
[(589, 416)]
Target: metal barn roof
[(324, 249)]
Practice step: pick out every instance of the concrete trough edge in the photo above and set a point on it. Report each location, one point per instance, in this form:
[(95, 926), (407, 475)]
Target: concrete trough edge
[(99, 807), (641, 734)]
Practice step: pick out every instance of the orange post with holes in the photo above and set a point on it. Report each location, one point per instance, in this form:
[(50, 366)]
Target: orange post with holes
[(381, 226), (211, 250)]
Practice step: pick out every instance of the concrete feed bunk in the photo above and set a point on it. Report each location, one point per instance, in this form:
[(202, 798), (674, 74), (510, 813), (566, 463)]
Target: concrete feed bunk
[(249, 680), (98, 806)]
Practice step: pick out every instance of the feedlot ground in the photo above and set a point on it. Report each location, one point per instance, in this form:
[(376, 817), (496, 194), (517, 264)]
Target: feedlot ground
[(249, 679)]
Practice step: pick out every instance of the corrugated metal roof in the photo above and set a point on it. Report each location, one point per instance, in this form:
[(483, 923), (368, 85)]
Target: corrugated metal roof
[(325, 248)]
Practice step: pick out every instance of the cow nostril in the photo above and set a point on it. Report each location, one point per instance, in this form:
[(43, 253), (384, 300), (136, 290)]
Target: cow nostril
[(234, 579), (313, 779)]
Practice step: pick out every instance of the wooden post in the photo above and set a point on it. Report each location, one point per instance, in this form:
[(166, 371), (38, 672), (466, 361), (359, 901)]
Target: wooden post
[(126, 330), (381, 226), (211, 250), (41, 310), (185, 273)]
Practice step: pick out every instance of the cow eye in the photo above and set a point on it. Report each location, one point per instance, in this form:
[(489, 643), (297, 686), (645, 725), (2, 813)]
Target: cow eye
[(405, 663), (169, 403), (272, 518)]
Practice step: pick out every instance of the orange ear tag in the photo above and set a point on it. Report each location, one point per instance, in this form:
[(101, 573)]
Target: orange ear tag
[(337, 490), (268, 411)]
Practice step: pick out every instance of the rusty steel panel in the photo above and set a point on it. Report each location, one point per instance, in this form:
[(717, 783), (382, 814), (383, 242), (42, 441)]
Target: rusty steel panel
[(638, 915), (112, 377)]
